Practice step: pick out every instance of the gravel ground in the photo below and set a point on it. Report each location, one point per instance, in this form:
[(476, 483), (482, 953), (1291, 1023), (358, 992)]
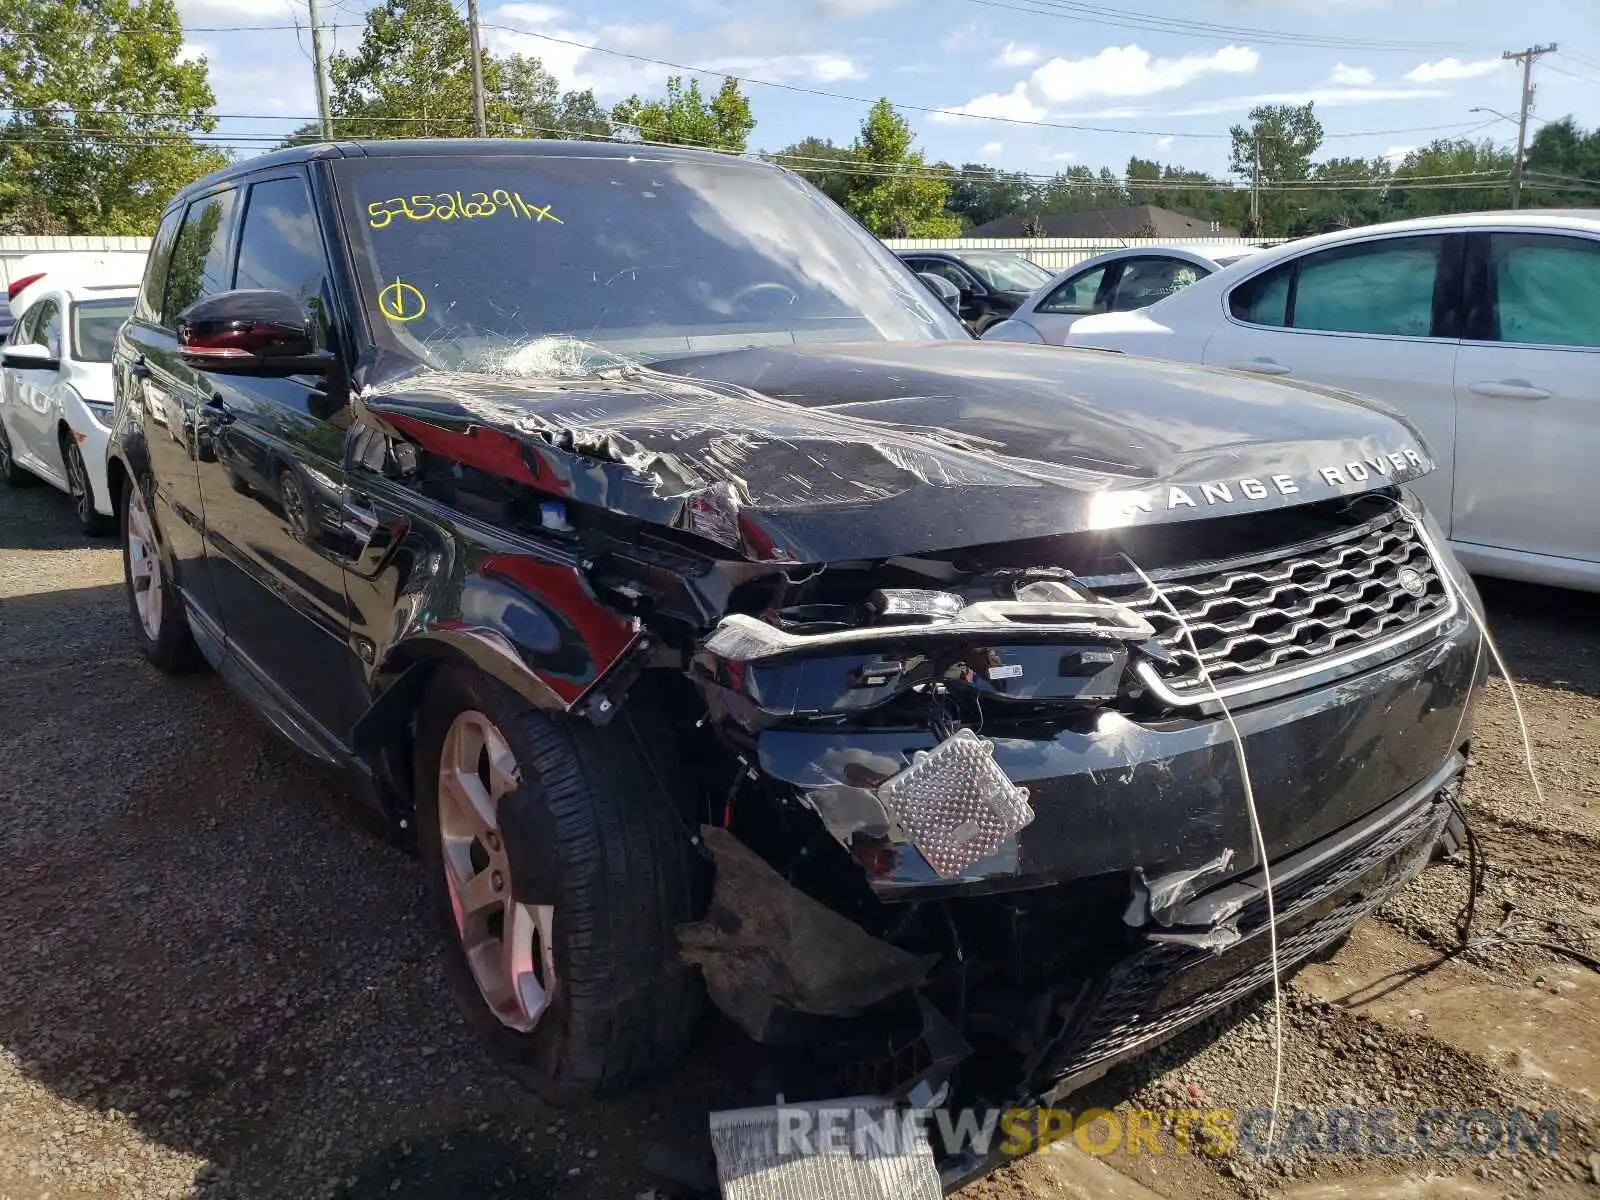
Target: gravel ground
[(218, 980)]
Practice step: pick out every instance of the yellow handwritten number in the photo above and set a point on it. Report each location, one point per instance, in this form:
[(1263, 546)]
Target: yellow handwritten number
[(401, 302)]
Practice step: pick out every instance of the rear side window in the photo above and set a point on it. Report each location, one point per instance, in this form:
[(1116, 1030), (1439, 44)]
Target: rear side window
[(1383, 287), (1075, 297), (200, 255), (1379, 287), (1545, 289), (280, 248), (148, 306), (1263, 300)]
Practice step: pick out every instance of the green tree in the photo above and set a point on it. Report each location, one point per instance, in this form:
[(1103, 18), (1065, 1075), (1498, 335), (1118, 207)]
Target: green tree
[(979, 194), (1563, 166), (411, 76), (1453, 161), (1357, 192), (823, 164), (1285, 136), (893, 193), (99, 108), (683, 116)]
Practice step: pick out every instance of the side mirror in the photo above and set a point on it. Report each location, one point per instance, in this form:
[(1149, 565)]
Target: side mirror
[(249, 332), (949, 295), (30, 358)]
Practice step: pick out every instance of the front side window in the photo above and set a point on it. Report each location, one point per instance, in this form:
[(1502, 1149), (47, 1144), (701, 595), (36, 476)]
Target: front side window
[(94, 328), (545, 262), (280, 248), (47, 328), (1545, 289), (1076, 296), (200, 255), (945, 269), (1146, 280), (148, 306)]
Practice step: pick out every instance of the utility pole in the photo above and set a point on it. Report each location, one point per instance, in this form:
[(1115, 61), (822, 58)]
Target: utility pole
[(322, 77), (479, 123), (1526, 58), (1255, 192)]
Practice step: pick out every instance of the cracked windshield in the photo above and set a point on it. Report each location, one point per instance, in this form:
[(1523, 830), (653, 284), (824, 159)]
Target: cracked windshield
[(578, 263)]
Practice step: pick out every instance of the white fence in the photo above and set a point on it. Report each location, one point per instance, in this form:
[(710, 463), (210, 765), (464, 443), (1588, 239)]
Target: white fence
[(14, 247), (1057, 254)]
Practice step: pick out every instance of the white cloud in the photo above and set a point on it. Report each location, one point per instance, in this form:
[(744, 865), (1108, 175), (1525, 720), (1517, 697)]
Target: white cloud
[(1014, 105), (248, 8), (1395, 155), (1447, 69), (1351, 76), (1131, 71), (961, 37), (823, 68), (1164, 143), (845, 10), (1014, 55), (193, 52), (1115, 71), (1331, 97), (530, 14), (1063, 156), (991, 148)]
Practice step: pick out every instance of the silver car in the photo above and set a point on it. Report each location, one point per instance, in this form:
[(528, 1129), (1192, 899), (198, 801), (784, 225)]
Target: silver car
[(1116, 281)]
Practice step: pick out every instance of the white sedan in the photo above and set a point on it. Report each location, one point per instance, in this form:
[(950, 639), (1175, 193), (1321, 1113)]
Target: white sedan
[(1483, 329), (56, 392), (1116, 281)]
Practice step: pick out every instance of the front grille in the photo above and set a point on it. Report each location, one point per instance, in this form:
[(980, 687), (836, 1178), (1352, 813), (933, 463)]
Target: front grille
[(1254, 618)]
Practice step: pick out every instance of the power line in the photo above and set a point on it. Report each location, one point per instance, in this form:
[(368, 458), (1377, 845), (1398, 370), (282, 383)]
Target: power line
[(1208, 30), (1572, 75)]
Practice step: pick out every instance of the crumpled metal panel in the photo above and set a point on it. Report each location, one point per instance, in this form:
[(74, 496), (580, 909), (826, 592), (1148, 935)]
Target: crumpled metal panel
[(766, 945), (756, 1161), (955, 804)]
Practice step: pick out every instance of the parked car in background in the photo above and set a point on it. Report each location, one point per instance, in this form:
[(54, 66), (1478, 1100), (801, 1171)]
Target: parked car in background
[(1483, 329), (56, 391), (991, 283), (1116, 281)]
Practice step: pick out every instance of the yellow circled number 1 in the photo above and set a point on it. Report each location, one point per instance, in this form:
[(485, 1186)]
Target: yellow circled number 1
[(401, 302)]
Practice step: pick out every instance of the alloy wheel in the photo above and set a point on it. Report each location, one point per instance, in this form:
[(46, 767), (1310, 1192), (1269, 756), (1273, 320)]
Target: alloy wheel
[(78, 484), (509, 945), (144, 567)]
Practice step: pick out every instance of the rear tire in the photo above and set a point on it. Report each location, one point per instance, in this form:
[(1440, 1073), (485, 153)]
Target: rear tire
[(586, 837), (160, 624)]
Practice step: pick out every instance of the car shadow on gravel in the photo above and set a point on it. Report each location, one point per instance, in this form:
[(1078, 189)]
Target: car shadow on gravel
[(1549, 636)]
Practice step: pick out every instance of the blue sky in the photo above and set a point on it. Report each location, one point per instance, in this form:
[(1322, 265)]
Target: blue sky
[(1008, 85)]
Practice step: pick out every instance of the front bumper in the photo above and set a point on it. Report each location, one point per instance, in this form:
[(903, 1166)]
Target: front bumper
[(1163, 797), (93, 437)]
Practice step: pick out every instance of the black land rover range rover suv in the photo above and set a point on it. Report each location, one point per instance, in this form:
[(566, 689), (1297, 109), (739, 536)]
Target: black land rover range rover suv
[(722, 621)]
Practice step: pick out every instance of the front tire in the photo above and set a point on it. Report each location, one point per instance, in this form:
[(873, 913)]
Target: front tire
[(81, 490), (160, 625), (558, 872)]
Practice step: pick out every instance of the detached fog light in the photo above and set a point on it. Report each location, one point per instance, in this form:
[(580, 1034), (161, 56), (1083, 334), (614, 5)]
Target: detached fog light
[(955, 804)]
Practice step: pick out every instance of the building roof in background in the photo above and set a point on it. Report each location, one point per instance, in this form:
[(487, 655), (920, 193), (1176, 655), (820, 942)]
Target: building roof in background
[(1139, 220)]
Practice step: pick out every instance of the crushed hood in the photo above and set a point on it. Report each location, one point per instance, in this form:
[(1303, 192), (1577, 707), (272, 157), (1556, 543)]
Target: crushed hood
[(832, 452)]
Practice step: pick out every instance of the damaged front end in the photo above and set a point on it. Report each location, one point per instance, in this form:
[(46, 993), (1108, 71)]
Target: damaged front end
[(976, 825)]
